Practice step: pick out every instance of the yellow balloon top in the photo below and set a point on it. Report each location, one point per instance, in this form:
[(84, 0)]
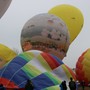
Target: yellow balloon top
[(72, 16)]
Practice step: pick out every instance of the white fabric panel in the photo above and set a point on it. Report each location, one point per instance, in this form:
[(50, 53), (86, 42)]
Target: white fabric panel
[(37, 64), (60, 73)]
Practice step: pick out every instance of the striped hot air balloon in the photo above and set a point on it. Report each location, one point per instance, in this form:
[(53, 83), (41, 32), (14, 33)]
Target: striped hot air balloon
[(46, 71)]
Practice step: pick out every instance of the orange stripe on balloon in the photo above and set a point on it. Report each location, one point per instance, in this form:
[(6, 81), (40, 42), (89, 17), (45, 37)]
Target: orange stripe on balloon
[(72, 73), (79, 65), (81, 59)]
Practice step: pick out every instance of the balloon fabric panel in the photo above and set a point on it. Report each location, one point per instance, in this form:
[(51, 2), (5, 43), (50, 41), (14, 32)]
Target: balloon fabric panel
[(57, 59), (16, 66), (42, 81), (52, 63), (43, 62), (31, 71)]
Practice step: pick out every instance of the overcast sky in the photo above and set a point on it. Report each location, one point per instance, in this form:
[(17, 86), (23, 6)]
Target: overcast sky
[(20, 11)]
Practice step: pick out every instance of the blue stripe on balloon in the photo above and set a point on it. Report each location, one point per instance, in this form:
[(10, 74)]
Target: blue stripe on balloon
[(57, 59), (13, 66), (19, 77), (42, 81)]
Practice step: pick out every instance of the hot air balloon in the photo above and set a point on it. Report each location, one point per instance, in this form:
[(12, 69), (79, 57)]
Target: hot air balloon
[(72, 16), (47, 33), (46, 71), (83, 67), (4, 4), (6, 54)]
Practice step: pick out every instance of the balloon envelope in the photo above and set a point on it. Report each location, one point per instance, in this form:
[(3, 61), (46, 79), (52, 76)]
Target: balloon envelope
[(4, 4), (72, 16), (6, 54), (45, 32), (46, 71), (83, 67)]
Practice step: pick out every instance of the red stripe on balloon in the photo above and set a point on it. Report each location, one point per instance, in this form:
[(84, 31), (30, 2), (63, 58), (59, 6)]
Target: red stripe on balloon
[(5, 81), (52, 62)]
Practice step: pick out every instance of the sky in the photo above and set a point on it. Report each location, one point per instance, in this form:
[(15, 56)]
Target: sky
[(20, 11)]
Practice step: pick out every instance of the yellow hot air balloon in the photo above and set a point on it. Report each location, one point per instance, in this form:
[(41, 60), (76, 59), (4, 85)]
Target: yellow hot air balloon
[(4, 4), (72, 16), (6, 54)]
